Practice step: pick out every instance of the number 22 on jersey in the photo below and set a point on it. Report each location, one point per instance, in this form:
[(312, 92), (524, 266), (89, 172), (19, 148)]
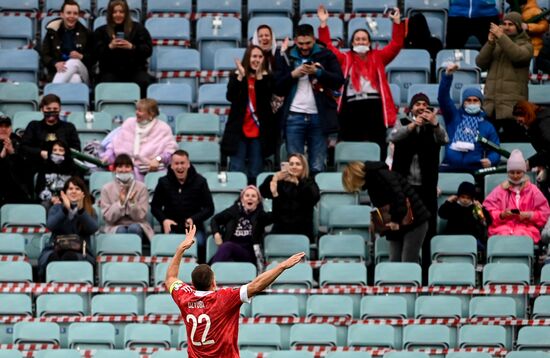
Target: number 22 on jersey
[(196, 321)]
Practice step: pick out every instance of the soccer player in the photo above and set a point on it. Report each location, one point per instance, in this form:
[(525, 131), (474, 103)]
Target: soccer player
[(211, 315)]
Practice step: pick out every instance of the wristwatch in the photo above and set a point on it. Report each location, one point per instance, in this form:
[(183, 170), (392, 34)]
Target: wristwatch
[(158, 158)]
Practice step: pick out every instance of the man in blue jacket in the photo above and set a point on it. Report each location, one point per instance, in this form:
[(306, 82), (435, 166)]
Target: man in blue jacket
[(470, 18), (464, 153), (308, 75)]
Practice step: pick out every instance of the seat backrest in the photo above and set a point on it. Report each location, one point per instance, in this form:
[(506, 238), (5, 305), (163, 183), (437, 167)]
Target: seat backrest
[(379, 29), (70, 93), (124, 274), (15, 32), (114, 304), (229, 6), (15, 304), (138, 335), (437, 307), (533, 338), (197, 124), (70, 272), (234, 273), (453, 246), (383, 307), (212, 94), (117, 92), (310, 6), (23, 215), (160, 304), (281, 26), (15, 271), (21, 120), (541, 308), (301, 275), (116, 353), (118, 244), (233, 182), (506, 273), (313, 334), (451, 273), (261, 7), (169, 6), (426, 336), (12, 244), (36, 332), (367, 335), (224, 58), (392, 273), (229, 28), (343, 273), (372, 5), (275, 305), (501, 246), (177, 59), (491, 181), (346, 152), (19, 64), (88, 335), (184, 272), (493, 307), (285, 245), (168, 28), (260, 336), (481, 336), (341, 246), (329, 305), (448, 182), (60, 304), (430, 90)]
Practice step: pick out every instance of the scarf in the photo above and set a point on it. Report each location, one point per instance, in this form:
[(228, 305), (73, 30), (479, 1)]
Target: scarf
[(140, 133), (360, 68), (466, 133)]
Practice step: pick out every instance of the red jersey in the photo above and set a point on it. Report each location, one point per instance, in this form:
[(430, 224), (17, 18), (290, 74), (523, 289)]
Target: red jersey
[(211, 319)]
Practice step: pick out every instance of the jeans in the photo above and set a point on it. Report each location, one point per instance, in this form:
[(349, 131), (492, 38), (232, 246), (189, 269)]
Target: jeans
[(302, 129), (131, 229), (248, 149), (76, 72)]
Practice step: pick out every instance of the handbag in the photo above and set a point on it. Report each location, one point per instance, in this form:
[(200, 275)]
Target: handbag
[(381, 216), (70, 242)]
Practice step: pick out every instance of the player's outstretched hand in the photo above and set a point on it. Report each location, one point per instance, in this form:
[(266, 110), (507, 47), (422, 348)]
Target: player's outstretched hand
[(293, 260), (189, 237)]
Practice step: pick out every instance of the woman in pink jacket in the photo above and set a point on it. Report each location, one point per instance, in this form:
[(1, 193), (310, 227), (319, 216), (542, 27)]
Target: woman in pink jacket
[(366, 90), (517, 206), (146, 139)]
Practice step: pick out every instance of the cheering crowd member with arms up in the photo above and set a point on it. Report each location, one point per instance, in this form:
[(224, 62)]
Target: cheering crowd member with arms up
[(211, 315)]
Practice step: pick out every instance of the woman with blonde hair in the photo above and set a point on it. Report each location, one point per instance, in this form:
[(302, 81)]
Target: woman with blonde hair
[(294, 196), (390, 188), (145, 138)]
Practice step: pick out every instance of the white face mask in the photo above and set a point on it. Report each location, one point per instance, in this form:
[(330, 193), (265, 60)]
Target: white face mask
[(361, 49), (472, 108), (464, 203), (56, 158), (124, 177)]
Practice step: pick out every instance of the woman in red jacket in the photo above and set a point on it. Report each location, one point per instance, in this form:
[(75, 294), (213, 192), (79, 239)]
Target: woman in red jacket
[(366, 89)]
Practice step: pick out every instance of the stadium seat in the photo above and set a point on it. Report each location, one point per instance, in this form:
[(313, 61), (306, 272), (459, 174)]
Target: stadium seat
[(70, 272), (224, 60), (452, 273), (437, 307), (468, 355), (379, 29), (12, 244), (213, 95), (23, 215), (291, 354), (350, 219), (234, 273), (15, 271), (541, 307), (269, 7), (281, 26), (151, 181), (332, 195), (229, 6), (197, 124), (491, 181), (343, 273), (275, 306), (117, 99), (19, 65), (338, 247), (27, 7), (184, 272), (169, 6), (98, 179), (168, 28), (36, 333), (146, 335), (172, 98), (299, 276), (448, 184), (381, 250), (506, 274), (57, 353), (454, 248), (117, 353), (21, 120), (205, 156), (539, 94), (182, 337), (15, 32), (430, 90), (398, 273), (217, 32), (405, 354), (234, 183), (372, 5), (66, 304), (517, 249), (170, 59), (527, 354), (181, 354), (124, 274), (91, 335), (16, 97), (335, 24), (166, 245), (278, 247), (525, 147), (114, 304), (470, 336), (91, 122), (160, 304), (426, 336), (260, 337), (433, 8), (467, 74), (410, 66), (329, 306), (118, 244), (372, 335), (396, 94), (75, 97), (15, 304), (533, 338), (313, 335), (493, 307), (54, 6), (387, 307), (346, 152), (333, 6)]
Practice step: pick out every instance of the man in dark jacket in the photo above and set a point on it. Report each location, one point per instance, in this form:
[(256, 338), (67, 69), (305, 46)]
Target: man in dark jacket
[(182, 199), (12, 184), (308, 75)]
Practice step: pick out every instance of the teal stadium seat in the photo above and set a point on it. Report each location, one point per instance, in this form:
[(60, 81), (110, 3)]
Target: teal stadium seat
[(387, 307), (15, 271), (70, 272), (533, 338), (177, 354), (166, 244), (66, 304), (114, 304), (470, 336), (527, 354), (23, 215), (19, 65), (15, 304), (503, 307), (372, 6), (275, 306), (350, 219), (21, 119), (279, 247), (16, 97), (510, 249), (437, 307), (454, 248), (408, 67), (468, 73), (145, 335), (332, 194), (545, 275), (15, 32), (116, 353), (260, 337), (280, 8), (160, 304), (329, 306), (310, 6), (291, 354), (12, 244), (75, 97), (344, 273), (212, 35), (169, 6), (379, 29), (541, 307), (91, 335), (205, 156), (172, 59), (98, 179), (313, 335), (372, 335), (118, 244), (234, 273), (453, 274), (346, 152), (117, 99), (57, 353), (173, 99), (124, 274), (424, 336), (509, 274), (36, 333), (342, 247), (299, 276), (207, 124)]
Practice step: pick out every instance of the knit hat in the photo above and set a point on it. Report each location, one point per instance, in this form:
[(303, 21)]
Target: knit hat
[(419, 97), (253, 187), (5, 120), (515, 17), (516, 161), (466, 188), (472, 92)]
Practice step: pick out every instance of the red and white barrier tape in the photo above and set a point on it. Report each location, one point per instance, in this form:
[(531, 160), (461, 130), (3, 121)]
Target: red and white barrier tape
[(25, 230), (220, 111), (539, 76), (193, 74), (143, 259), (194, 15), (29, 347), (196, 138), (13, 258), (349, 16), (166, 42)]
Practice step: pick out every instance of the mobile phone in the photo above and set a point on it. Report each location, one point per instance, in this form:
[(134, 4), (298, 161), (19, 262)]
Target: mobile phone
[(284, 166), (514, 211), (309, 62), (119, 35), (388, 10), (431, 109)]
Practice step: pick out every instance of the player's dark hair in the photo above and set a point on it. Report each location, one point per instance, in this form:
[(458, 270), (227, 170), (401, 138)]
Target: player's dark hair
[(202, 277)]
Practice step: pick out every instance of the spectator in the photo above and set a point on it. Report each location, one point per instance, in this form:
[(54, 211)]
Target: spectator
[(464, 153), (13, 186), (123, 47), (420, 37), (470, 18), (67, 48), (249, 132), (367, 89), (309, 76), (54, 173), (506, 57), (239, 230), (465, 215), (542, 62), (71, 214), (530, 10), (517, 206), (389, 187), (125, 202), (145, 138), (536, 122), (40, 135), (182, 199), (294, 195), (263, 38)]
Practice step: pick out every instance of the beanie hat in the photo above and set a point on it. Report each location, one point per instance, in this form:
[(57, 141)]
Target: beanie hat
[(515, 17), (253, 187), (466, 188), (419, 97), (472, 92), (516, 161)]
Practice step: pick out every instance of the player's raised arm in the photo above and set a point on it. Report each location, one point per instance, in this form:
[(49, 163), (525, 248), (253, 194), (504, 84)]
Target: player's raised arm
[(261, 282), (173, 268)]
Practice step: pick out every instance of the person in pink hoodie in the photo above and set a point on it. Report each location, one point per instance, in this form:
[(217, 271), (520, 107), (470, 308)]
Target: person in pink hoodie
[(517, 206), (145, 138)]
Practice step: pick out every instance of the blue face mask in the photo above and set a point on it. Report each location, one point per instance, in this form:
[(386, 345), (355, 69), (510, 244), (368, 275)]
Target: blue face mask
[(472, 108)]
